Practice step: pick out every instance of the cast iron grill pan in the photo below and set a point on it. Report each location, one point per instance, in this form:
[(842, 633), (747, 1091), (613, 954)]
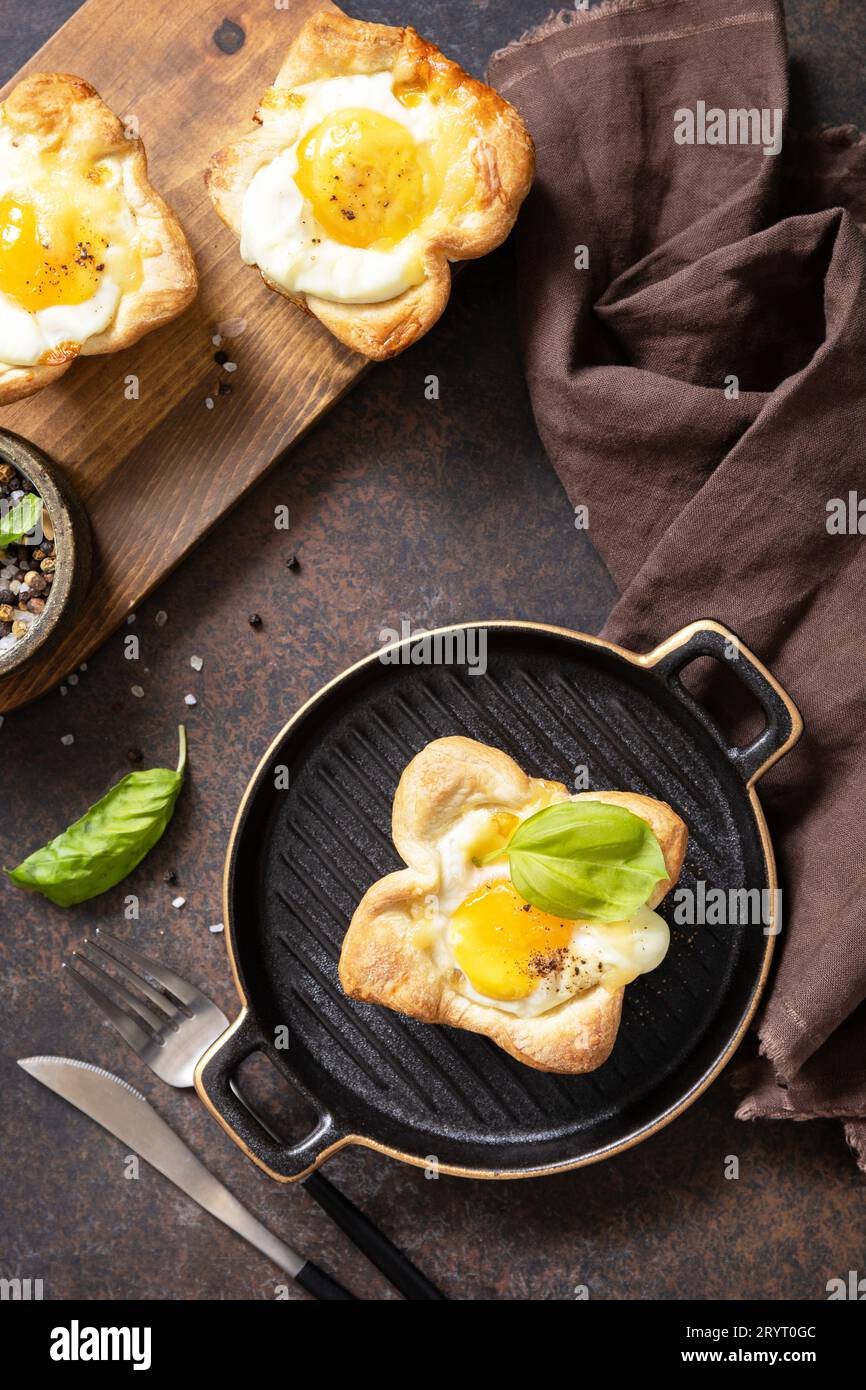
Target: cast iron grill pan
[(302, 858)]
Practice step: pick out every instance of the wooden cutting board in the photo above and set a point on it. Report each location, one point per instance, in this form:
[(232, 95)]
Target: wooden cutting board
[(155, 473)]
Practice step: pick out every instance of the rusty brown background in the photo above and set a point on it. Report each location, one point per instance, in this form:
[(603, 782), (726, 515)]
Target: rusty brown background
[(400, 507)]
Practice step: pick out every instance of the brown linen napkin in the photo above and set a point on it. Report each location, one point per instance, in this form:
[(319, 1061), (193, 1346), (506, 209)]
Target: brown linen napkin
[(708, 262)]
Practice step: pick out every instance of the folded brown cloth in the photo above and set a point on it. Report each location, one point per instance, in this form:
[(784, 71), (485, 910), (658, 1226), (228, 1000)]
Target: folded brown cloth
[(707, 262)]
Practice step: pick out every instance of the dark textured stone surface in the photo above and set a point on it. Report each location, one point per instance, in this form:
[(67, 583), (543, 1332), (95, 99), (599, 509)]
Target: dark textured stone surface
[(400, 507)]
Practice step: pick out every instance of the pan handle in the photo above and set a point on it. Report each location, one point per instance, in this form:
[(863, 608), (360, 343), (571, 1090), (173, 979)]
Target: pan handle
[(213, 1078), (783, 722)]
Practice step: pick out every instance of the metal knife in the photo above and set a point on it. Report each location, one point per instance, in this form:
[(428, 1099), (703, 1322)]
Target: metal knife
[(126, 1114)]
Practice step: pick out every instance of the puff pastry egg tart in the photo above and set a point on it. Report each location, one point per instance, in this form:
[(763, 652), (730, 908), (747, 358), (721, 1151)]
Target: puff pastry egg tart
[(91, 258), (523, 911), (376, 162)]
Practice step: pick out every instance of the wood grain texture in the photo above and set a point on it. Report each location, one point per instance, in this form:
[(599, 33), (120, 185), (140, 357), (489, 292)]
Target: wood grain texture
[(157, 472)]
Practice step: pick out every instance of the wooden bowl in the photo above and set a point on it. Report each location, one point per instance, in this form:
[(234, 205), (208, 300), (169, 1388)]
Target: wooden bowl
[(72, 542)]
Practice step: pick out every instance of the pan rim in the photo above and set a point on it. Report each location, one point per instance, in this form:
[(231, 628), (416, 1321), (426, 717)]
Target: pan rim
[(644, 661)]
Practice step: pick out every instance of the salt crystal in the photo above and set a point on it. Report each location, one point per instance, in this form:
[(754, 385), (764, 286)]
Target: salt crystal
[(190, 700), (178, 902), (230, 366), (217, 926), (63, 690), (161, 618), (216, 340), (137, 692), (83, 666), (67, 740), (72, 680), (232, 328), (196, 663), (208, 400), (130, 619)]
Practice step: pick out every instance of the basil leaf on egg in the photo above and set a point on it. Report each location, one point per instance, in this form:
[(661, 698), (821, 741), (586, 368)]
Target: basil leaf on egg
[(584, 859), (108, 841)]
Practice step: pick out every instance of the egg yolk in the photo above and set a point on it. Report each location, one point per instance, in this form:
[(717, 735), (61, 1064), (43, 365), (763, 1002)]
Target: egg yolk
[(366, 180), (503, 945), (47, 259), (493, 836)]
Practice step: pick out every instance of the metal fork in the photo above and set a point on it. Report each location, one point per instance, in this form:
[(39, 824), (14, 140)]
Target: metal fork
[(171, 1032)]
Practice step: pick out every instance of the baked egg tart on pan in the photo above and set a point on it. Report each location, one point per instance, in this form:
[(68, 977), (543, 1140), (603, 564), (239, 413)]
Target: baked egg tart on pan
[(523, 911), (91, 258), (376, 162)]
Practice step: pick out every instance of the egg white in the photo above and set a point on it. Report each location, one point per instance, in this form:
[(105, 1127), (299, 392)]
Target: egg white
[(279, 231), (25, 337), (613, 954)]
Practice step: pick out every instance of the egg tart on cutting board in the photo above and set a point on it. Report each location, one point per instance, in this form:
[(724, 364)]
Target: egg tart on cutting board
[(91, 257), (376, 162)]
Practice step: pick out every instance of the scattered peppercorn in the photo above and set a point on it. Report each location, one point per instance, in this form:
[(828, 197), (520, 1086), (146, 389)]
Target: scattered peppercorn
[(134, 755), (170, 876), (220, 357), (293, 563), (254, 620)]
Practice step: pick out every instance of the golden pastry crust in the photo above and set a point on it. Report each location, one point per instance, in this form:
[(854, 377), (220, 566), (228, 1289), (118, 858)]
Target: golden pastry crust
[(332, 45), (380, 962), (57, 109)]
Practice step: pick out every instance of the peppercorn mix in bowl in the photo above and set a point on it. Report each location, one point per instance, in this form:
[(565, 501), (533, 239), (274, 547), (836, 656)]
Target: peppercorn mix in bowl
[(44, 552)]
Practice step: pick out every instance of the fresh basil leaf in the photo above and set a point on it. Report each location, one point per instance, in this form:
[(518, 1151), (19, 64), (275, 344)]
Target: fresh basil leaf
[(108, 841), (585, 859), (20, 519)]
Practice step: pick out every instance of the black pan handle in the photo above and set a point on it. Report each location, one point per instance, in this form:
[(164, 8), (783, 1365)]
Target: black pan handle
[(320, 1284), (709, 638), (215, 1086), (213, 1076), (396, 1267)]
